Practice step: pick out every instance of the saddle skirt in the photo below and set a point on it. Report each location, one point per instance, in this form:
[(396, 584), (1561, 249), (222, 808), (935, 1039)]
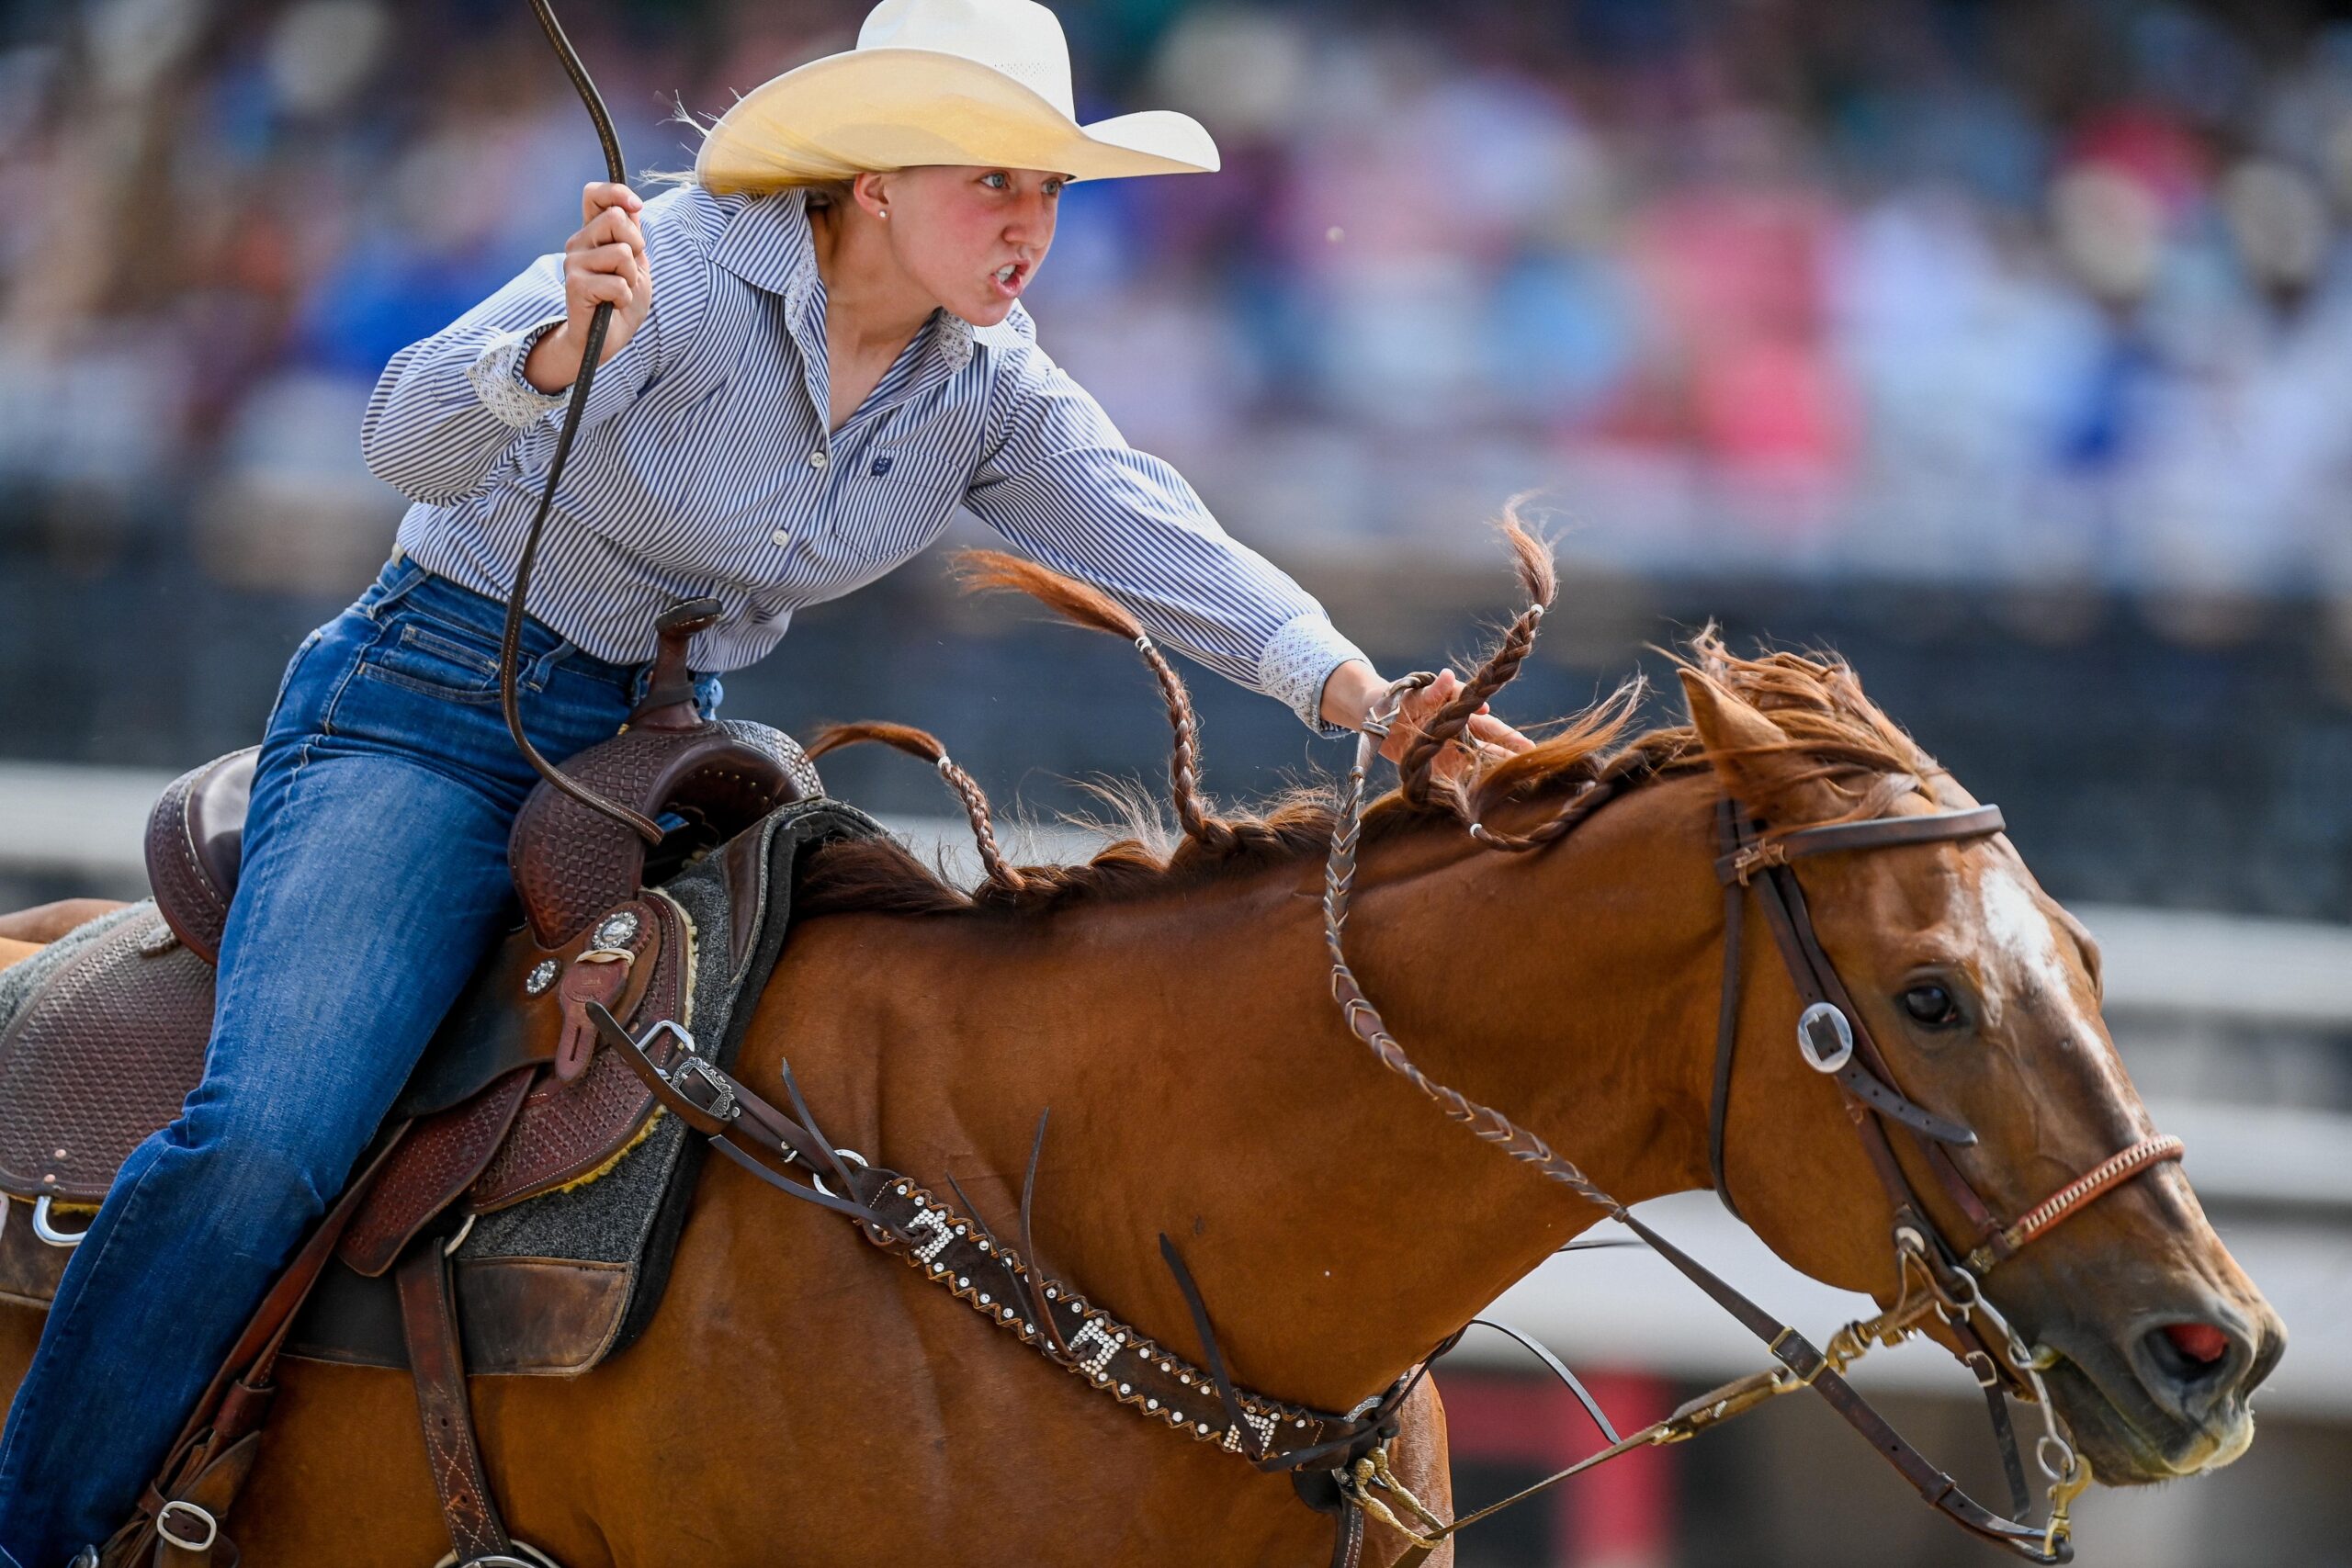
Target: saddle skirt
[(512, 1106), (104, 1052)]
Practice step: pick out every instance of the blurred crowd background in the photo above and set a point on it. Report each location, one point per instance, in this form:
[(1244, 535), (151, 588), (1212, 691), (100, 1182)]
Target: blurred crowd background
[(2053, 291), (2004, 345)]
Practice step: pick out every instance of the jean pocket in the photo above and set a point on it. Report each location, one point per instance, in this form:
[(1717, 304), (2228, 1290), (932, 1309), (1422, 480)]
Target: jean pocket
[(436, 662)]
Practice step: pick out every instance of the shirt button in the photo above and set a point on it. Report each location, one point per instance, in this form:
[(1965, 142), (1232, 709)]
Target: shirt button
[(783, 536), (820, 461)]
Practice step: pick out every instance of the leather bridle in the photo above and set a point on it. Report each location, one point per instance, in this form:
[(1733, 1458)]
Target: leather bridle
[(1935, 1277)]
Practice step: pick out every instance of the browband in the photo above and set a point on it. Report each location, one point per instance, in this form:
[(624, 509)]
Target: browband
[(1875, 833)]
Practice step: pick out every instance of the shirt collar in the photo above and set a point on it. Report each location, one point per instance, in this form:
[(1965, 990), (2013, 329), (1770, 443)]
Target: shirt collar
[(766, 241)]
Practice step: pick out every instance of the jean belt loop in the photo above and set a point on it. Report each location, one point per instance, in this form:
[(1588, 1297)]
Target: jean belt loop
[(399, 579), (540, 670)]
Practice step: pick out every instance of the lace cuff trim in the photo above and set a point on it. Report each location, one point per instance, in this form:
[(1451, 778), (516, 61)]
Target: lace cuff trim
[(1296, 663), (497, 377)]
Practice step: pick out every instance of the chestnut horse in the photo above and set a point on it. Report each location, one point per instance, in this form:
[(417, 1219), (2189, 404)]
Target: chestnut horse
[(800, 1399)]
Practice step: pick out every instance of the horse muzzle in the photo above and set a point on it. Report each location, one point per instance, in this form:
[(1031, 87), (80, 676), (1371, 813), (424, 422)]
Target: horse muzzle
[(2169, 1395)]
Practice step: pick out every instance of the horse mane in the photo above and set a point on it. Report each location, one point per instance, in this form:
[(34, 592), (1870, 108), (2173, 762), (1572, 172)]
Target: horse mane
[(1812, 698)]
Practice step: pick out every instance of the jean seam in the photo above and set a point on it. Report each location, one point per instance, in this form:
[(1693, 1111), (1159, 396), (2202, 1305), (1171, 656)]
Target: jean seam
[(294, 664), (334, 698), (68, 1328), (431, 635), (541, 667), (427, 688)]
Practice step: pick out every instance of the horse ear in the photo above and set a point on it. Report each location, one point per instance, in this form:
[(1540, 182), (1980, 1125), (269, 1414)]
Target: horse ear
[(1757, 762)]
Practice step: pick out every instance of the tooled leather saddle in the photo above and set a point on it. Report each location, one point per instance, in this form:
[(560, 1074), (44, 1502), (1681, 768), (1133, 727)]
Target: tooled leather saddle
[(514, 1098)]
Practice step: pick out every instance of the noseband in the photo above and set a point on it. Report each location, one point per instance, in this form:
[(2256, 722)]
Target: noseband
[(1935, 1278)]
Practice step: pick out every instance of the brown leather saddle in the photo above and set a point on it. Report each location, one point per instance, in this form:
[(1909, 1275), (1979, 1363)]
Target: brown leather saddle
[(511, 1100)]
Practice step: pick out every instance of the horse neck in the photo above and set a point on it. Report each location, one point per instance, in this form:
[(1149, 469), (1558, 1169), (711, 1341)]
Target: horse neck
[(1204, 1086)]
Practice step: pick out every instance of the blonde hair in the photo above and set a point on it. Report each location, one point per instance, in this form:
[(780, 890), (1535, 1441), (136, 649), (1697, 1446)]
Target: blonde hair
[(823, 192)]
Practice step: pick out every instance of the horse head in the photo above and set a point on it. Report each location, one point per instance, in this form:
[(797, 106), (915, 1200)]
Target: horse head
[(1983, 995)]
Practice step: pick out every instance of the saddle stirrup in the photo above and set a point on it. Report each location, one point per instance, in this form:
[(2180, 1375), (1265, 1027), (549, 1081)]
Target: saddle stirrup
[(50, 1233)]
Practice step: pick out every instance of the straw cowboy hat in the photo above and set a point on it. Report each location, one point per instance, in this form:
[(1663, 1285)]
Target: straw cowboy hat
[(940, 81)]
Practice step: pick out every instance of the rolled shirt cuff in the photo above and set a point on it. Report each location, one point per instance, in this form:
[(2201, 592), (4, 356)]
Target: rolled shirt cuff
[(1296, 662), (497, 377)]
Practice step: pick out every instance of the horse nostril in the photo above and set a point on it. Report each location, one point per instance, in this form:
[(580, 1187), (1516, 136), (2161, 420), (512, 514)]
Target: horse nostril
[(2189, 1366), (2195, 1369), (2199, 1343)]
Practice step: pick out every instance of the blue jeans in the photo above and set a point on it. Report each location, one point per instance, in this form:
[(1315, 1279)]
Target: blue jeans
[(375, 878)]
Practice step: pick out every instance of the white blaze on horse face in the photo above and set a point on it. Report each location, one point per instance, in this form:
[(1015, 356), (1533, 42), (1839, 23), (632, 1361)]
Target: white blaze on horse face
[(2016, 928), (2030, 969)]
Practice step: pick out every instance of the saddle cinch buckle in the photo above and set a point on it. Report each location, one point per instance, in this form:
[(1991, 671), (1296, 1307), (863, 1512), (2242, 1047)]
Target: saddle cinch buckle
[(691, 1068)]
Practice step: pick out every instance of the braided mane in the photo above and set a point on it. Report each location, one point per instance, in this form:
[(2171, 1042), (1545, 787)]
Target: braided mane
[(1815, 699)]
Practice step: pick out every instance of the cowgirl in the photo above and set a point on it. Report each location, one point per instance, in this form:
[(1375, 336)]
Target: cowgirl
[(816, 354)]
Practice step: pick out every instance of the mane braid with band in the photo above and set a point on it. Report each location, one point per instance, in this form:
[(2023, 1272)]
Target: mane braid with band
[(1814, 700)]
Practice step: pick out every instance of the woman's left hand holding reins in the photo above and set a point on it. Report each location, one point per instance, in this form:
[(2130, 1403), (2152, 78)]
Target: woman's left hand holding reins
[(1355, 687)]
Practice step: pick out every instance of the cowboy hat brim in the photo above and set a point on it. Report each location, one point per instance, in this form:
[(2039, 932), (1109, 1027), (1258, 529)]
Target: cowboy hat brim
[(873, 109)]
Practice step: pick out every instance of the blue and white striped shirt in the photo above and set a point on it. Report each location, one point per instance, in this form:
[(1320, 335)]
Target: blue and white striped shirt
[(704, 465)]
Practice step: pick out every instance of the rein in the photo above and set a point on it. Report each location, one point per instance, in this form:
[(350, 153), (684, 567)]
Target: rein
[(1834, 1041), (510, 640), (958, 1252)]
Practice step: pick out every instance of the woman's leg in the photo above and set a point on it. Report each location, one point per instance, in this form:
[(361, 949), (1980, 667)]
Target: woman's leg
[(375, 878), (373, 889)]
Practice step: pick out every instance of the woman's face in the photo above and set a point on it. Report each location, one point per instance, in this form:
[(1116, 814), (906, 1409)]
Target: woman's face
[(970, 237)]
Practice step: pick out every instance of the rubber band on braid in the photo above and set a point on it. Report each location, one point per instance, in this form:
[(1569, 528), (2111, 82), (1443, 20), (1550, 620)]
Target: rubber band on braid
[(1551, 829), (1183, 757), (1540, 580), (923, 744)]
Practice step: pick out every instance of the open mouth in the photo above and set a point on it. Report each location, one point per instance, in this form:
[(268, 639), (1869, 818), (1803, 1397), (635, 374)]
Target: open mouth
[(1009, 277)]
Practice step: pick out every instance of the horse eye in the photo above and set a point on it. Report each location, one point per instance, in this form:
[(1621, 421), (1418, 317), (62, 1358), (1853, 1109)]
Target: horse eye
[(1931, 1005)]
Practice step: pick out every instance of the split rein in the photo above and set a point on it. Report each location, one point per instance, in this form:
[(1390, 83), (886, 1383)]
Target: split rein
[(1934, 1279)]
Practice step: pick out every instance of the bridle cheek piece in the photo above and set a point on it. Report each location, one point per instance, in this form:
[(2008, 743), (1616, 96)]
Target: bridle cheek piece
[(1934, 1278), (1835, 1041)]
